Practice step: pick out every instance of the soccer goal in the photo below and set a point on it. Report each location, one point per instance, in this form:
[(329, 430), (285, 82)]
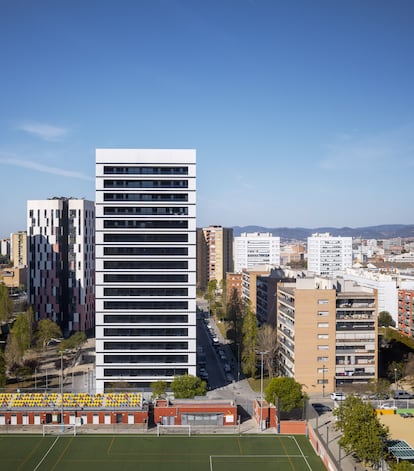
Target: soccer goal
[(57, 429), (173, 430)]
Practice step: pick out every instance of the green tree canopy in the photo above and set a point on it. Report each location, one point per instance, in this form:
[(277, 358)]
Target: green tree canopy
[(362, 432), (385, 319), (74, 342), (159, 389), (46, 331), (3, 377), (234, 314), (402, 466), (187, 387), (249, 331), (6, 304), (285, 392), (22, 330)]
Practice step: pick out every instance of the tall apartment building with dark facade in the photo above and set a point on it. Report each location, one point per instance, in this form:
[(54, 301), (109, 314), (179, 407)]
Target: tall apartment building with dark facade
[(145, 266), (61, 262)]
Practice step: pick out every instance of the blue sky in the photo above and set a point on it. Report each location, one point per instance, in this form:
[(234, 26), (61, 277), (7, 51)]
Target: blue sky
[(302, 112)]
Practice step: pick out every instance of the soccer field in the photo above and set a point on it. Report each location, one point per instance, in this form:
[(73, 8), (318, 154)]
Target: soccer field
[(151, 453)]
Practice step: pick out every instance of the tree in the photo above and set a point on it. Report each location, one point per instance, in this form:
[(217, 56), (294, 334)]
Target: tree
[(385, 319), (23, 331), (395, 371), (159, 389), (362, 432), (211, 294), (12, 352), (402, 466), (234, 310), (380, 386), (3, 369), (249, 332), (267, 342), (188, 386), (74, 342), (285, 392), (47, 330), (6, 304)]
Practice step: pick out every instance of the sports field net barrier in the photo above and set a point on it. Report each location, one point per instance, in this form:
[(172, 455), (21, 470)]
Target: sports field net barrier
[(173, 429), (59, 429)]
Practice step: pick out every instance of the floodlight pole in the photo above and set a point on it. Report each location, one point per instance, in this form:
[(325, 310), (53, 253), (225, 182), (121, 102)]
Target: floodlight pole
[(61, 391), (261, 389)]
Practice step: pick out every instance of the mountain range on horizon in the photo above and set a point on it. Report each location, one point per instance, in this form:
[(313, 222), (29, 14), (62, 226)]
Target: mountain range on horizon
[(385, 231)]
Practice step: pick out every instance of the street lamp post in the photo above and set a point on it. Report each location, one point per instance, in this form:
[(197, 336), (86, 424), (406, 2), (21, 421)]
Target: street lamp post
[(261, 389), (395, 382), (61, 391)]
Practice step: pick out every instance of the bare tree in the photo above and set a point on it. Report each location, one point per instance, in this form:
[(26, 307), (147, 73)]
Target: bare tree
[(267, 342)]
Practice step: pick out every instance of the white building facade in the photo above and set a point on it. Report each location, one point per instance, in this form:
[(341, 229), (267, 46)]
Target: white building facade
[(145, 266), (256, 250), (61, 262), (329, 255)]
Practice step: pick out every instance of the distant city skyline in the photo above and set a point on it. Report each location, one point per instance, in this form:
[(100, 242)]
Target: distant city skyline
[(301, 113)]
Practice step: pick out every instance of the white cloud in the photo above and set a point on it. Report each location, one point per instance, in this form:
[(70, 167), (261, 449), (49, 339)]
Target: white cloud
[(44, 131), (44, 168)]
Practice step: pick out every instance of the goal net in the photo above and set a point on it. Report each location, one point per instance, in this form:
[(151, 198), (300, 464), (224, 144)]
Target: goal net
[(56, 429), (173, 430)]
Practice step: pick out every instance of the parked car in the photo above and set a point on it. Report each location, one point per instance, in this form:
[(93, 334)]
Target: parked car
[(321, 408), (378, 396), (338, 396), (386, 406), (400, 394)]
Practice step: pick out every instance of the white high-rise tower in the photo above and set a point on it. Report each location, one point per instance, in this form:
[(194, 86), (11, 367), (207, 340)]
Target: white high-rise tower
[(145, 266), (329, 255)]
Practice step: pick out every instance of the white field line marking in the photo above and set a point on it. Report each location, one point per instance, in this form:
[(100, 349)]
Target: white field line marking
[(48, 451), (300, 449)]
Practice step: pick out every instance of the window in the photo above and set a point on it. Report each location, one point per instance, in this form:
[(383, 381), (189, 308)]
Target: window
[(145, 251), (322, 358), (145, 346), (159, 292), (145, 197), (145, 358), (323, 325), (132, 278), (146, 211), (150, 265), (145, 183), (323, 336), (145, 372), (145, 319), (323, 301), (322, 370), (145, 332), (323, 347), (322, 381), (147, 305), (146, 238), (323, 313), (145, 170), (139, 224)]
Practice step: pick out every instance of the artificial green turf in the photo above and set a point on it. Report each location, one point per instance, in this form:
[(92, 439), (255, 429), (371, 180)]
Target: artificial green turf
[(151, 453)]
